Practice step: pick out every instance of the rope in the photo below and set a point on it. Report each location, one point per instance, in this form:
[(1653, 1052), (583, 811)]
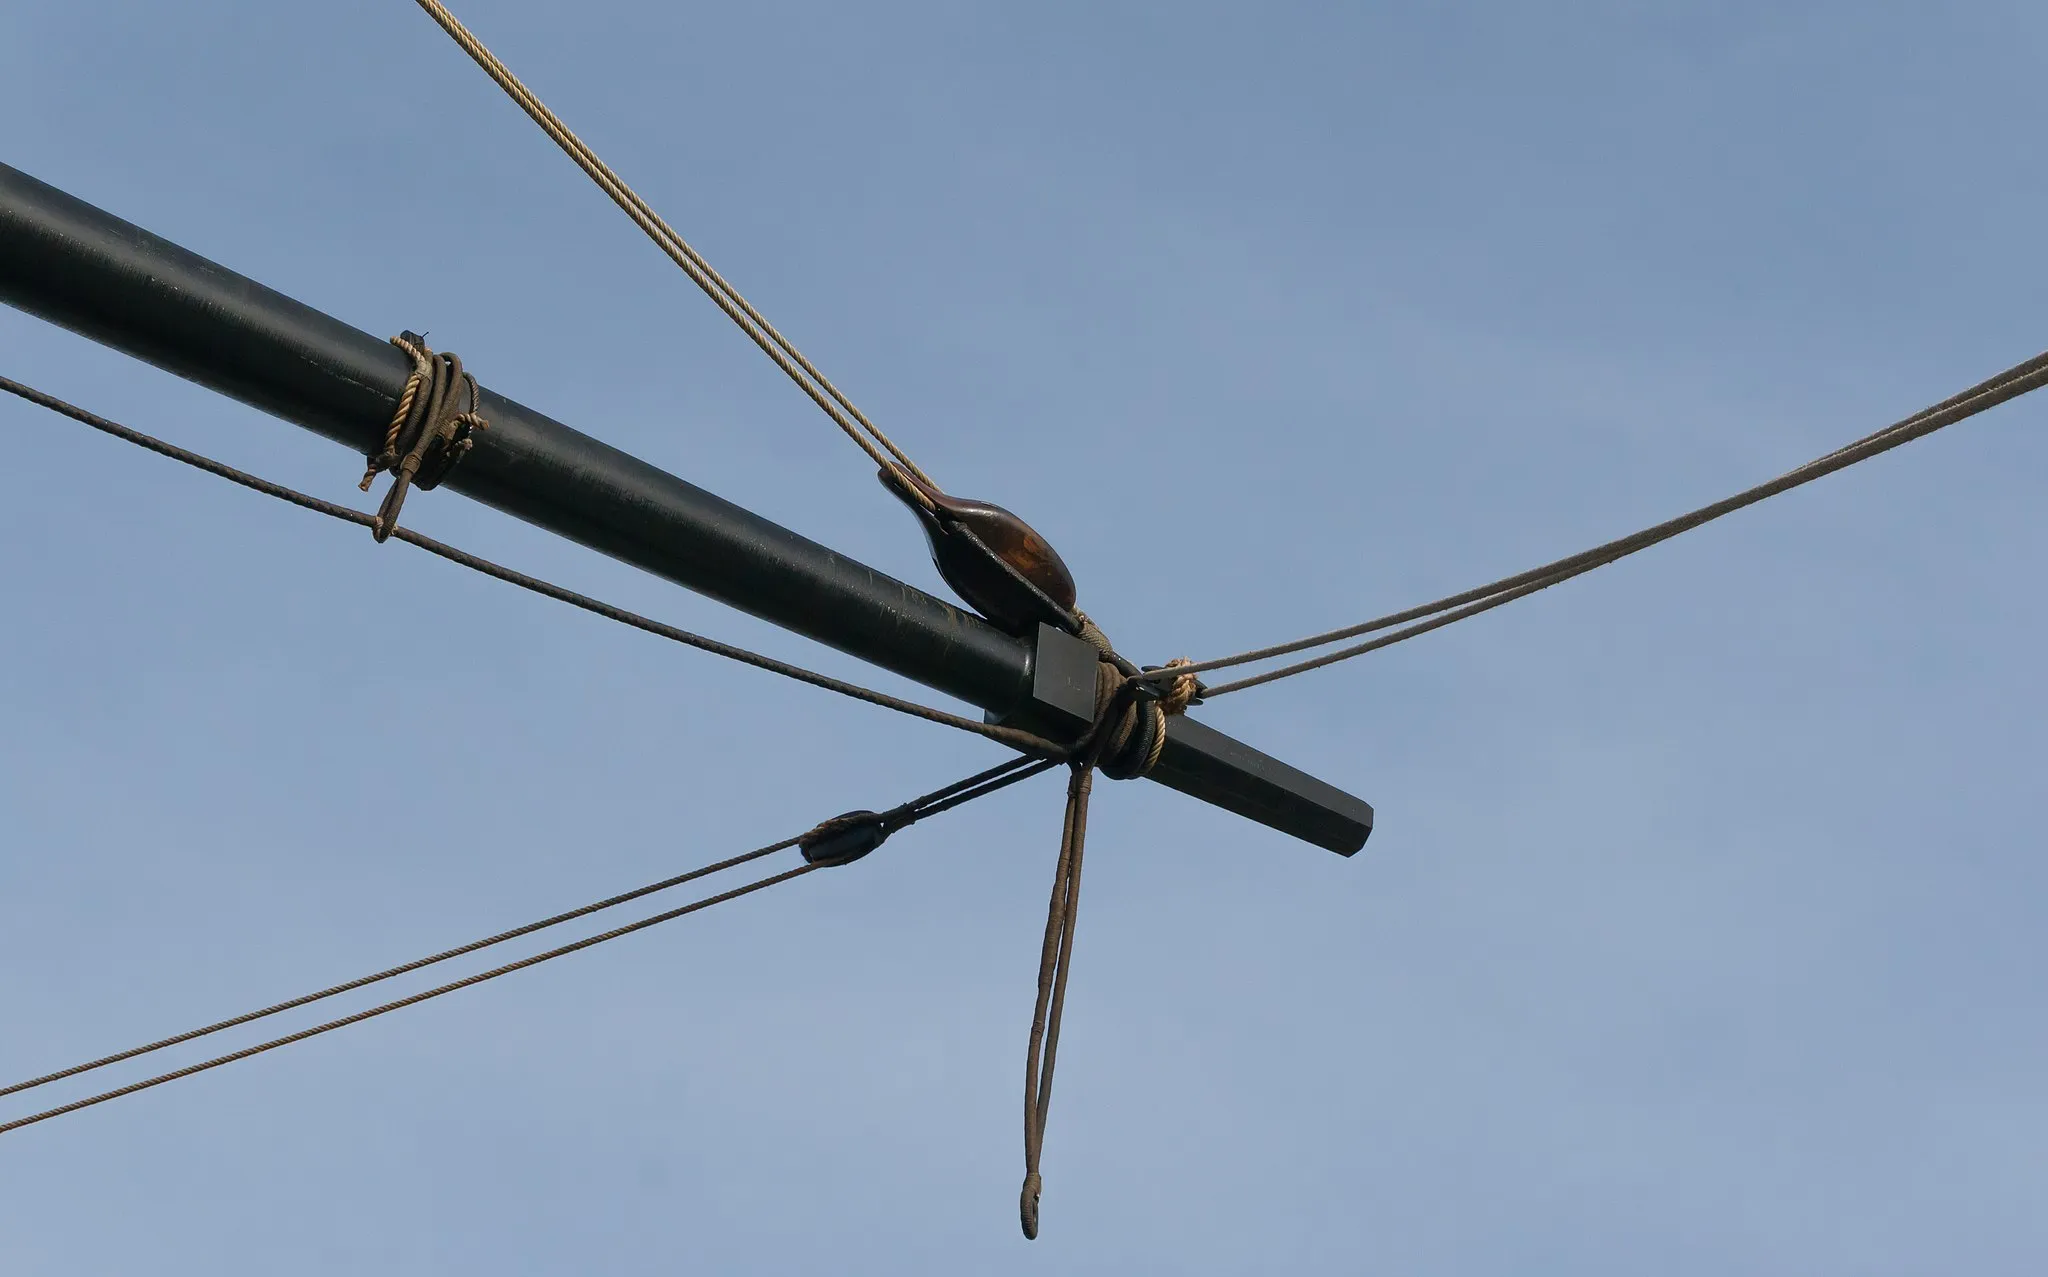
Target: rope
[(1020, 740), (879, 447), (428, 434), (1135, 731), (399, 1003), (388, 973), (835, 404), (901, 816), (2010, 384), (1124, 742), (1055, 960), (422, 372)]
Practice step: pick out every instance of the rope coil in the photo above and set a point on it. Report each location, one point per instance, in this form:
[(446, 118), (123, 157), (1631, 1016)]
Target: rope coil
[(1130, 709), (429, 432)]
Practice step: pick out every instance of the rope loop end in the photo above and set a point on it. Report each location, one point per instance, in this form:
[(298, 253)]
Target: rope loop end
[(1027, 1205)]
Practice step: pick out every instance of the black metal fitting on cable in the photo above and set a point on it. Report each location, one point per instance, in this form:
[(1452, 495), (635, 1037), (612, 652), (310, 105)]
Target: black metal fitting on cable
[(845, 839)]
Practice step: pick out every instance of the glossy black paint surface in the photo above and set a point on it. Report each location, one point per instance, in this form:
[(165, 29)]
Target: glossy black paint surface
[(88, 271)]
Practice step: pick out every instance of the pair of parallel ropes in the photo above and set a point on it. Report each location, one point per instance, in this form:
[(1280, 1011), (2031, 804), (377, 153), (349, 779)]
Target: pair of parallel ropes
[(1036, 754), (2014, 381)]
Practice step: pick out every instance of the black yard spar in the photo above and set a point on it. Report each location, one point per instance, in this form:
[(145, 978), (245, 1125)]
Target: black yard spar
[(79, 267), (1045, 676)]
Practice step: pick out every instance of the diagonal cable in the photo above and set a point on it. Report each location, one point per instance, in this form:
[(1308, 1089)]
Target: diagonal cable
[(400, 1003), (879, 447), (2013, 382)]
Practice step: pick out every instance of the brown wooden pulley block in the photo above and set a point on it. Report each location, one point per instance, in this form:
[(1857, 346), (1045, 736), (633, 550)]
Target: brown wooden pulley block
[(983, 584)]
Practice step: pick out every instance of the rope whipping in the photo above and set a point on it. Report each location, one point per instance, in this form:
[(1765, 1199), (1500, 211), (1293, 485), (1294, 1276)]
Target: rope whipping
[(2015, 381), (850, 419), (1125, 742), (838, 841), (1026, 742)]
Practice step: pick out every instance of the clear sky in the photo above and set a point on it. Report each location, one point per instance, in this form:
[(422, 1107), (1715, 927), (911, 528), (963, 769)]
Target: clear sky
[(1700, 932)]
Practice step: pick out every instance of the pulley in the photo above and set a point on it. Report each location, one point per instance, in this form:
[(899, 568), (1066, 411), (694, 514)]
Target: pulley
[(997, 563)]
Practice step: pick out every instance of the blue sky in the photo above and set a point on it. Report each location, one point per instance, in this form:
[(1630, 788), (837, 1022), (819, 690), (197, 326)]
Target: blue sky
[(1700, 930)]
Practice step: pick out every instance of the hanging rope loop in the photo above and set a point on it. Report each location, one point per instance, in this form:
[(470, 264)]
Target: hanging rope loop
[(430, 431), (1125, 741)]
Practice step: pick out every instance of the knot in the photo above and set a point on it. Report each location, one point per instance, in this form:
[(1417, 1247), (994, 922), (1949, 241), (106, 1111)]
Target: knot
[(1181, 692), (1131, 713), (1027, 1205), (430, 431)]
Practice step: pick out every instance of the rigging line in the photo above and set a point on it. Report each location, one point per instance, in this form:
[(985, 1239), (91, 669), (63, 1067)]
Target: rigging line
[(715, 286), (2010, 384), (966, 791), (1013, 737), (392, 972), (412, 1000), (920, 808)]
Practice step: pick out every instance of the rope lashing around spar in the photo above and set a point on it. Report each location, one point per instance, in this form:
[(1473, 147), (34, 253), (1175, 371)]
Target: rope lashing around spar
[(1125, 742), (433, 428), (1132, 723)]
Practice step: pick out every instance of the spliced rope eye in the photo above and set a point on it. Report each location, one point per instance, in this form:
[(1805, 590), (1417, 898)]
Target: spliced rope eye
[(429, 433)]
